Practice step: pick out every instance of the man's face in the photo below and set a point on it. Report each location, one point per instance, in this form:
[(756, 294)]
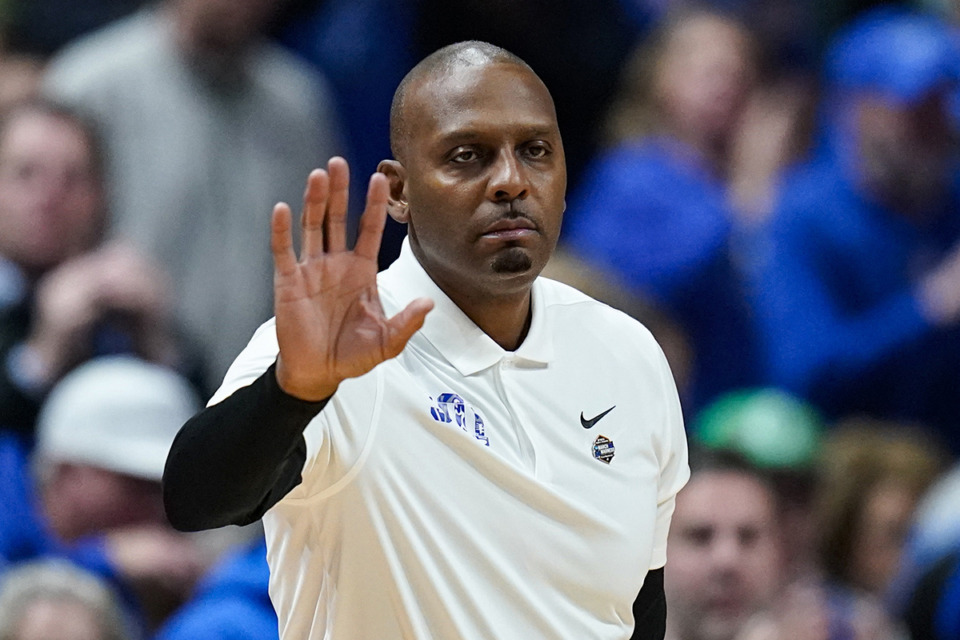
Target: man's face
[(50, 198), (905, 150), (485, 178), (724, 555), (83, 500), (58, 617), (881, 535), (703, 79), (225, 25)]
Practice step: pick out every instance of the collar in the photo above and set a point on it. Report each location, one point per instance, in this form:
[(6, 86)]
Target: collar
[(455, 335)]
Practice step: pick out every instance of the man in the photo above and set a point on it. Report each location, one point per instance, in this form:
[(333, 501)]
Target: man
[(509, 470), (63, 297), (856, 294), (90, 491), (725, 549), (203, 121)]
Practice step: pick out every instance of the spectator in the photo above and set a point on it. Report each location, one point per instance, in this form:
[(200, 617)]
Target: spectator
[(206, 124), (930, 581), (655, 209), (95, 498), (857, 293), (936, 528), (725, 549), (934, 609), (869, 478), (781, 435), (63, 298), (53, 599), (872, 476), (230, 602)]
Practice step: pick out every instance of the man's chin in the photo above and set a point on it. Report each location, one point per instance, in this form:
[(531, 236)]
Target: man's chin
[(723, 625), (512, 261)]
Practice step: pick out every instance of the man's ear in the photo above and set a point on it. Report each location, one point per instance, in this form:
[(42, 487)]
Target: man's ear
[(397, 205)]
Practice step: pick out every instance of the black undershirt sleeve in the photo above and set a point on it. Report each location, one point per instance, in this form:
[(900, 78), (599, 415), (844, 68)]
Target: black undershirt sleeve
[(650, 609), (236, 459)]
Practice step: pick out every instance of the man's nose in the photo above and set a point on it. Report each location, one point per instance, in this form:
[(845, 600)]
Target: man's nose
[(508, 180), (727, 551)]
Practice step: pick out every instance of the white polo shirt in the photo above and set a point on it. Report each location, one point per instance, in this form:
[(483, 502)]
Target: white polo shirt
[(455, 493)]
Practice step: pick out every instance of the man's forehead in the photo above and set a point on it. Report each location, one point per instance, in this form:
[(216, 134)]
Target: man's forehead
[(444, 97)]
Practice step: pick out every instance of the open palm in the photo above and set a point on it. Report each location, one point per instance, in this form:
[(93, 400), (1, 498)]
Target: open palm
[(330, 325)]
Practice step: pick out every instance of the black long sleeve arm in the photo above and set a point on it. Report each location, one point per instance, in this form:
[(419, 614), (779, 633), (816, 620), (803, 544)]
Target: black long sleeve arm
[(236, 459), (650, 609)]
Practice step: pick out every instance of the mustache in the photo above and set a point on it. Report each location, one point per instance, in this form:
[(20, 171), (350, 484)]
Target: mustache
[(514, 211), (510, 217)]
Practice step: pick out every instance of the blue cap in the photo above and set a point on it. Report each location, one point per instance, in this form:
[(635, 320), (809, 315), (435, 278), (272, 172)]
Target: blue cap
[(901, 54)]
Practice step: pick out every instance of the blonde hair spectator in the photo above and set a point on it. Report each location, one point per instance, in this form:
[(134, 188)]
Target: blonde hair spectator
[(872, 474), (54, 599)]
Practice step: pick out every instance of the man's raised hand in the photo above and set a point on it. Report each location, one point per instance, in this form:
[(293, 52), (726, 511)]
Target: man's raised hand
[(330, 325)]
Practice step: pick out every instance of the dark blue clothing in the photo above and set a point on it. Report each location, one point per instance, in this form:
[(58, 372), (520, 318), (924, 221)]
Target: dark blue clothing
[(834, 297), (934, 609), (231, 603), (25, 534), (651, 213)]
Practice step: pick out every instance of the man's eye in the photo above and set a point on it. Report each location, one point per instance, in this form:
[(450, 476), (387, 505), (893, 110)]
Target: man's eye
[(464, 155), (537, 150), (698, 536)]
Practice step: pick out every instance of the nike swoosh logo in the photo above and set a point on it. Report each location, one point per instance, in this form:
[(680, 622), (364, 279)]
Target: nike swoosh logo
[(587, 424)]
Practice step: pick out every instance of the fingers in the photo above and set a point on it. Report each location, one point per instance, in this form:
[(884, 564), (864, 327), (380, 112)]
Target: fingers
[(324, 219), (336, 220), (406, 323), (374, 217), (281, 240), (315, 200)]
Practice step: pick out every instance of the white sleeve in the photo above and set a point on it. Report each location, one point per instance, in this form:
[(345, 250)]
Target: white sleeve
[(674, 467), (255, 358)]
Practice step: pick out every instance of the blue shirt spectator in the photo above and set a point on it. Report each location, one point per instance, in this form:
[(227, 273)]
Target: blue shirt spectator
[(656, 216), (90, 491), (26, 535), (231, 603), (853, 288), (660, 210)]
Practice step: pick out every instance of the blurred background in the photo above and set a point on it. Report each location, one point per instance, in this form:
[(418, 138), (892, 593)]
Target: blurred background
[(771, 186)]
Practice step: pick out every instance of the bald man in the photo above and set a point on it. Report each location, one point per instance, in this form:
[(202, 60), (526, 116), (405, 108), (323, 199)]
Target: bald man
[(454, 448)]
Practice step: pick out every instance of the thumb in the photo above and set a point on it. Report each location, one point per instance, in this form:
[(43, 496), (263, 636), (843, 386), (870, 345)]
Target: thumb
[(401, 327)]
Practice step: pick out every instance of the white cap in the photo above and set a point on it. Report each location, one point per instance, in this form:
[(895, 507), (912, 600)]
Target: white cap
[(117, 413)]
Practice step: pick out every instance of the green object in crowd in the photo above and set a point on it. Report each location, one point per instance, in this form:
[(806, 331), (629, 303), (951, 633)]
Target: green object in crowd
[(772, 428)]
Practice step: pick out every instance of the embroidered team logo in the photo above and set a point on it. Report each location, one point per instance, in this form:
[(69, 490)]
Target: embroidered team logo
[(451, 408), (603, 449)]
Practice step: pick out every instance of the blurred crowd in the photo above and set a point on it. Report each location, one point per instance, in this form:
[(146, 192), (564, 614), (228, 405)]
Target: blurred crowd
[(771, 186)]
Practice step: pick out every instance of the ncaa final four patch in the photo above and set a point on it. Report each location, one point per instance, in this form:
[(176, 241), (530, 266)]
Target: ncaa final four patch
[(603, 449)]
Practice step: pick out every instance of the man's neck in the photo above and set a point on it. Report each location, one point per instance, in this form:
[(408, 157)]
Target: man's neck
[(506, 320), (505, 317), (502, 311)]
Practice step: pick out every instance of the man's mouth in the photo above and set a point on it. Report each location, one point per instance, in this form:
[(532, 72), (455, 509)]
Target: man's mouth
[(510, 229)]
